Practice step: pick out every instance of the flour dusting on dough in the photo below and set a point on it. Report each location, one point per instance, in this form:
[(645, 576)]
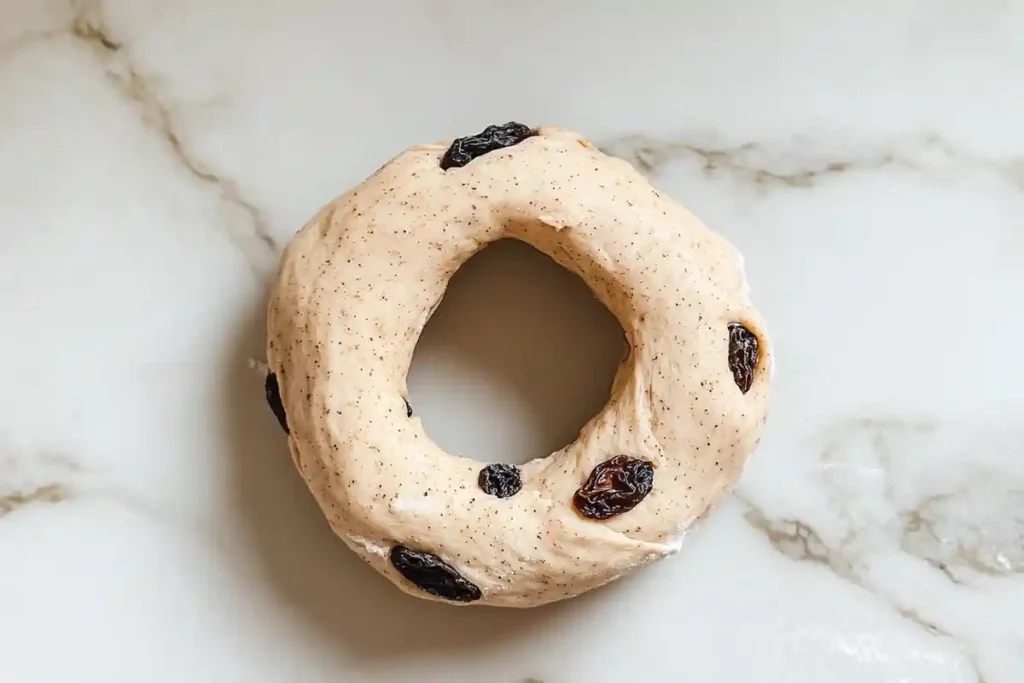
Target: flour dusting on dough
[(413, 504), (369, 546)]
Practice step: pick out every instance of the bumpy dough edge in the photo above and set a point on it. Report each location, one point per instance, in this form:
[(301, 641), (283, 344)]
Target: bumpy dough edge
[(356, 286)]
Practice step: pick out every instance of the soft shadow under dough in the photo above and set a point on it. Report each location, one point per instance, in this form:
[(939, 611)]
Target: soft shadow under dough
[(303, 566), (515, 360)]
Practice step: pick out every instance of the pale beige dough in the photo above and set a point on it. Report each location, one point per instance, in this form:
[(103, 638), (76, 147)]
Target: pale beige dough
[(358, 283)]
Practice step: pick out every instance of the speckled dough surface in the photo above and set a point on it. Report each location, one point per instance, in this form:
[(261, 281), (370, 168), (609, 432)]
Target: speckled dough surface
[(357, 285)]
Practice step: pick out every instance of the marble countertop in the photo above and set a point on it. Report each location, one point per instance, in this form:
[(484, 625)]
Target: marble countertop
[(867, 157)]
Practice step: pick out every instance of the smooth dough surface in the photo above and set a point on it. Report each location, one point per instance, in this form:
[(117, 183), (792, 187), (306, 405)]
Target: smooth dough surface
[(356, 287)]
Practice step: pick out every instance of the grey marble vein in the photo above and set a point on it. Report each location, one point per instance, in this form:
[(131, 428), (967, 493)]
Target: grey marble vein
[(977, 525), (973, 527), (651, 155), (28, 479), (795, 539), (800, 542), (47, 481), (47, 493), (251, 234), (801, 163)]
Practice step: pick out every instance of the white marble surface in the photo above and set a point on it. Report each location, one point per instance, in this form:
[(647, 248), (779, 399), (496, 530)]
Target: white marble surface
[(868, 157)]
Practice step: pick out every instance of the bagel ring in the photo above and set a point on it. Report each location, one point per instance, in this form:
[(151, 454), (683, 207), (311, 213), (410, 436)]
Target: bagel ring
[(357, 285)]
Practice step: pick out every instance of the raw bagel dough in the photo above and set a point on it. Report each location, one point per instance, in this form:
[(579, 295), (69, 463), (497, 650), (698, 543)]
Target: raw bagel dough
[(358, 283)]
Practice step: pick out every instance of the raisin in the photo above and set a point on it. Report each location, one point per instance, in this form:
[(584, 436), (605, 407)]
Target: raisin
[(615, 486), (743, 354), (408, 408), (501, 480), (464, 150), (274, 399), (433, 575)]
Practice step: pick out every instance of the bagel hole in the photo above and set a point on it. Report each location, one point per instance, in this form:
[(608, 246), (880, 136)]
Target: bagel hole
[(516, 359)]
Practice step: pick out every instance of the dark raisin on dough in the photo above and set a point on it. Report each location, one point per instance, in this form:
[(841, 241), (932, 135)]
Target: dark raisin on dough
[(274, 400), (408, 408), (743, 355), (501, 480), (433, 575), (464, 150), (615, 486)]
